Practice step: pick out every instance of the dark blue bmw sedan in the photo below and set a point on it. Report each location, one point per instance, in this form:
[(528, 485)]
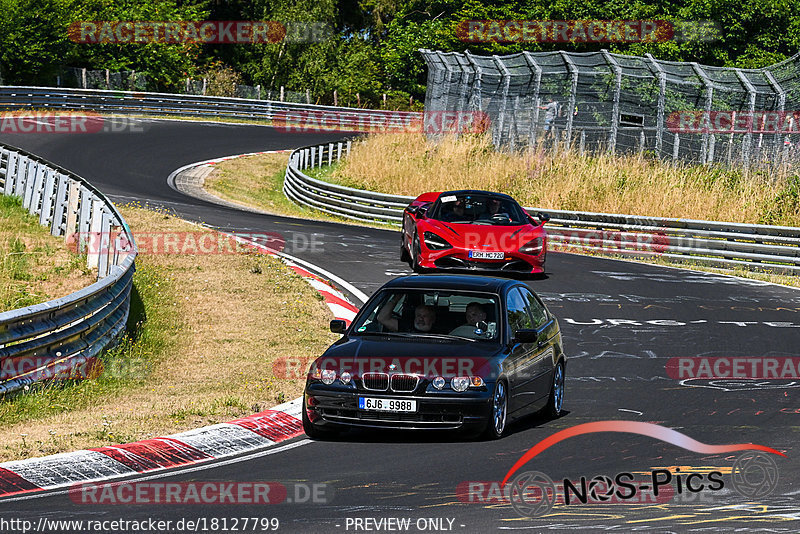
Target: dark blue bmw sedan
[(439, 352)]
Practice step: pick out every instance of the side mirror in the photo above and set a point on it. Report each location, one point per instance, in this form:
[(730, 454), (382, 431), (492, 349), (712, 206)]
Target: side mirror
[(338, 326), (543, 217), (526, 335), (412, 209), (422, 211)]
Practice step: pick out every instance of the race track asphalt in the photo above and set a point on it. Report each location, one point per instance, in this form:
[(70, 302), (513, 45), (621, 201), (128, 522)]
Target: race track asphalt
[(621, 322)]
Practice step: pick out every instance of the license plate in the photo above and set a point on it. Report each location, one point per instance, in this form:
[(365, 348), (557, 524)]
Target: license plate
[(483, 255), (387, 405)]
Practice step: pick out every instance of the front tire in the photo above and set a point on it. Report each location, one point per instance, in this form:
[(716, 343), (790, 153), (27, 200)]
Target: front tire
[(498, 416), (311, 430), (405, 257), (417, 250), (555, 403)]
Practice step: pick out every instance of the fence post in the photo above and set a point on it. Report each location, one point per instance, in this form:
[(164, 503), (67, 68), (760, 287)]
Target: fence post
[(476, 103), (711, 144), (308, 96), (448, 78), (709, 85), (751, 107), (84, 218), (573, 93), (11, 173), (730, 139), (781, 105), (536, 102), (108, 79), (617, 70), (349, 143), (258, 91), (335, 98), (22, 176), (282, 95), (641, 142), (583, 142), (48, 191), (36, 202), (83, 78), (60, 204), (662, 102), (339, 151), (330, 153), (103, 243), (95, 233), (205, 85), (505, 76), (676, 146)]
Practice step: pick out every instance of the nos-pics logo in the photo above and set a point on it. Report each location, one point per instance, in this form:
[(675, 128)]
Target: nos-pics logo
[(754, 474)]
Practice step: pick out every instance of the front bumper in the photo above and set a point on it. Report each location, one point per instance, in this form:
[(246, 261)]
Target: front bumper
[(456, 258), (329, 407)]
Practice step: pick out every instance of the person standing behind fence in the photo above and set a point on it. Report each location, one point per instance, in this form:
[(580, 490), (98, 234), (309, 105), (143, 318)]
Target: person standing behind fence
[(550, 114)]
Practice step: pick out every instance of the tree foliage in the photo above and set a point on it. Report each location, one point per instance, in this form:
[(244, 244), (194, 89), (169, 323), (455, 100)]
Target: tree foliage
[(373, 46)]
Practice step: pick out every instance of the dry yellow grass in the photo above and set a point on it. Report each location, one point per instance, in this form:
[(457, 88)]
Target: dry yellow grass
[(34, 265), (409, 165), (229, 317)]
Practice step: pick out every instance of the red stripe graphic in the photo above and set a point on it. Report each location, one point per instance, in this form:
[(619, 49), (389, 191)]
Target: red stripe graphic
[(634, 427), (273, 425), (11, 482), (153, 454)]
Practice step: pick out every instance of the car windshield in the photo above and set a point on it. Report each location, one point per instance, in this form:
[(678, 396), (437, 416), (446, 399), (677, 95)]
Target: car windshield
[(476, 208), (466, 315)]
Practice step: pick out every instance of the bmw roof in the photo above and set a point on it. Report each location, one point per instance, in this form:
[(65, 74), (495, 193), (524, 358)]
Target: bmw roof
[(472, 282)]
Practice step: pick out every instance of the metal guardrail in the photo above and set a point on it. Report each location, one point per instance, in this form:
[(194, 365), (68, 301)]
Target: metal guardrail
[(720, 244), (104, 101), (59, 338)]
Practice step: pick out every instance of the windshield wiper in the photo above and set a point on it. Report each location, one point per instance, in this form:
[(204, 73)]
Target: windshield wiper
[(371, 333)]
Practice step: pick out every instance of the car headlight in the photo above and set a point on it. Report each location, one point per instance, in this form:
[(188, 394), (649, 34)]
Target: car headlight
[(438, 382), (460, 383), (345, 377), (532, 247), (435, 242), (328, 376)]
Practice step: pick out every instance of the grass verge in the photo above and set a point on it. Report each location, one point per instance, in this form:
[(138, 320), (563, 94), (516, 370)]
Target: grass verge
[(36, 266), (257, 182), (203, 335)]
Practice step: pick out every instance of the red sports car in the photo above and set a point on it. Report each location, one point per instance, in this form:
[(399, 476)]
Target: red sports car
[(474, 230)]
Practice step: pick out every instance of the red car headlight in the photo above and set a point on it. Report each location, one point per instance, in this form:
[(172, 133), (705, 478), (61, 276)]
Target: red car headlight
[(435, 242), (532, 247)]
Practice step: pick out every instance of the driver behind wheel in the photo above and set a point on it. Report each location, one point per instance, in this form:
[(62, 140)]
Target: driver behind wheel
[(424, 318)]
